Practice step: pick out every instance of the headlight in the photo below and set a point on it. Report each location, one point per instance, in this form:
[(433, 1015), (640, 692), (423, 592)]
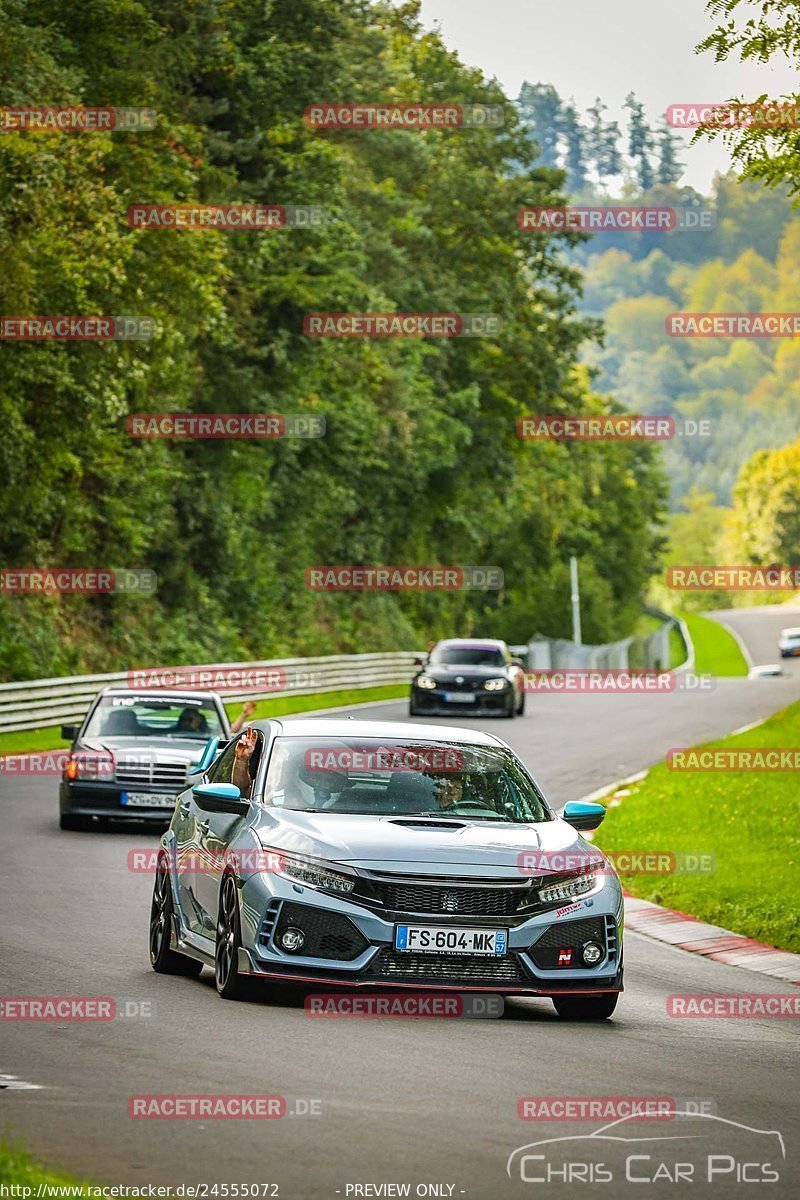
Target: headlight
[(426, 682), (316, 876), (89, 766), (569, 889), (495, 685)]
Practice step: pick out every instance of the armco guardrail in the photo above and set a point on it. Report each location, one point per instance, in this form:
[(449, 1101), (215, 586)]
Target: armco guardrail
[(650, 653), (35, 703)]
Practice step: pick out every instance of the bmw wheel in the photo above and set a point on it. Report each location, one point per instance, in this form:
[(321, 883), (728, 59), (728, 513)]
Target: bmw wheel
[(230, 984), (163, 958), (521, 705), (586, 1008)]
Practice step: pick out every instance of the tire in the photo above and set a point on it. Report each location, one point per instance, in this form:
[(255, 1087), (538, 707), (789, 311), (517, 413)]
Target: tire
[(586, 1008), (163, 958), (521, 705), (70, 821), (230, 984), (412, 711), (511, 711)]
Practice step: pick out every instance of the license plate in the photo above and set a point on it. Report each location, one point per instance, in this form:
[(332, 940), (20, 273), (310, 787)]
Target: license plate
[(147, 800), (438, 939), (459, 697)]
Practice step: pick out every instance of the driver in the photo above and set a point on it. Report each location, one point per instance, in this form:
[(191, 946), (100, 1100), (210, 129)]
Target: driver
[(449, 791), (192, 720)]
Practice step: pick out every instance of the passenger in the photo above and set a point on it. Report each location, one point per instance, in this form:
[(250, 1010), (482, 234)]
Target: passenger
[(248, 708)]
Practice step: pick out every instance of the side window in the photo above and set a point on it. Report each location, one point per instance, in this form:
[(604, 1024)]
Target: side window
[(223, 768)]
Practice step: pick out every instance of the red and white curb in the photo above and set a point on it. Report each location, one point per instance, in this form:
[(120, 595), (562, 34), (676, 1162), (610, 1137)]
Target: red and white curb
[(688, 933)]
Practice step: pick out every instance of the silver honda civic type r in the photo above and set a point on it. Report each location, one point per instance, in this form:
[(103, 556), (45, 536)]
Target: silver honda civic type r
[(380, 854)]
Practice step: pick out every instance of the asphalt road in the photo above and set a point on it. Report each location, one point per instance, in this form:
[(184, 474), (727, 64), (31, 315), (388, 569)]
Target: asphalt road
[(426, 1102)]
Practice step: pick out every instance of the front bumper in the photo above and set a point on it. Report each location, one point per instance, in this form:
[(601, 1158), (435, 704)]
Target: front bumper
[(434, 703), (85, 798), (350, 946)]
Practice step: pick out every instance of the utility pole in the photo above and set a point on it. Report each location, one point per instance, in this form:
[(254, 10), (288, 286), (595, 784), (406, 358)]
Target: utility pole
[(576, 600)]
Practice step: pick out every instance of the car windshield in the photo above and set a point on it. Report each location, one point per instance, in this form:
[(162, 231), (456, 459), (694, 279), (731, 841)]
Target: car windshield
[(136, 717), (386, 777), (791, 635), (467, 656)]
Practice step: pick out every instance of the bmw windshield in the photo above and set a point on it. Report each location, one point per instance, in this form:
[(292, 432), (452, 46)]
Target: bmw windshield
[(467, 656), (402, 778)]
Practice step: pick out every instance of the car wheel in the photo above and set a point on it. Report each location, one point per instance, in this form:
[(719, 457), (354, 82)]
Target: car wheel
[(586, 1008), (521, 705), (70, 821), (413, 711), (511, 709), (230, 984), (163, 958)]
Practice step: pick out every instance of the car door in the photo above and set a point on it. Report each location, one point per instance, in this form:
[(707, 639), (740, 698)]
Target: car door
[(215, 831)]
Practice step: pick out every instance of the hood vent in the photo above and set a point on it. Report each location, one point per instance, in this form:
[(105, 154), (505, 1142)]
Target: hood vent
[(410, 823)]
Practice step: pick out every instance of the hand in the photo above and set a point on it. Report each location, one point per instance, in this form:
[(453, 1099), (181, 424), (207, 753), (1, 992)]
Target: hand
[(248, 708), (246, 745)]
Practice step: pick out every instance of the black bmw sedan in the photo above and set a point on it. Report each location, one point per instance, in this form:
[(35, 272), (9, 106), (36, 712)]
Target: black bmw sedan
[(469, 675)]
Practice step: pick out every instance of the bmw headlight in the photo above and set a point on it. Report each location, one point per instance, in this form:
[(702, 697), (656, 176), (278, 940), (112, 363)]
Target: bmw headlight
[(426, 683), (306, 871), (495, 685), (568, 889)]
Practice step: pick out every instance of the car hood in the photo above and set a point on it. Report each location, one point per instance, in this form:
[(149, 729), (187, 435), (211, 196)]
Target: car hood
[(402, 843), (174, 750)]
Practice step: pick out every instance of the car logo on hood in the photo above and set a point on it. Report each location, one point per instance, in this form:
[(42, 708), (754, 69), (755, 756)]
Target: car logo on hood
[(459, 678), (450, 902)]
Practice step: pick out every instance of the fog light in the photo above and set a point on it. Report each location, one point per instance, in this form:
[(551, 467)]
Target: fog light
[(292, 939), (591, 953)]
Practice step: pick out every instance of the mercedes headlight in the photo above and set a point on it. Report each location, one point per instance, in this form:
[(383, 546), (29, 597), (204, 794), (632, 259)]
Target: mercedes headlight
[(426, 682), (495, 685)]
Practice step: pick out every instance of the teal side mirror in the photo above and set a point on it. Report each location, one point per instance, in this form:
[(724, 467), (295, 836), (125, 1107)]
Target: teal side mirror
[(581, 815), (207, 757), (220, 797)]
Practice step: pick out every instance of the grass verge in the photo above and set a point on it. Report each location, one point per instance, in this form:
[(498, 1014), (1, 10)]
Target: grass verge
[(716, 651), (49, 738), (749, 821), (17, 1167)]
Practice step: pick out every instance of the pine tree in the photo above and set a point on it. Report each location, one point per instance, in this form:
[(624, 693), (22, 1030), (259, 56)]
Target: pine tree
[(602, 138), (640, 142), (541, 111)]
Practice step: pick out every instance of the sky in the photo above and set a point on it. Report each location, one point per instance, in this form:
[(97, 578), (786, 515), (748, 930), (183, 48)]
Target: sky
[(607, 48)]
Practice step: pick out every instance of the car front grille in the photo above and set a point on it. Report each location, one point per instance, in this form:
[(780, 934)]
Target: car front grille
[(444, 968), (451, 901), (138, 773)]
